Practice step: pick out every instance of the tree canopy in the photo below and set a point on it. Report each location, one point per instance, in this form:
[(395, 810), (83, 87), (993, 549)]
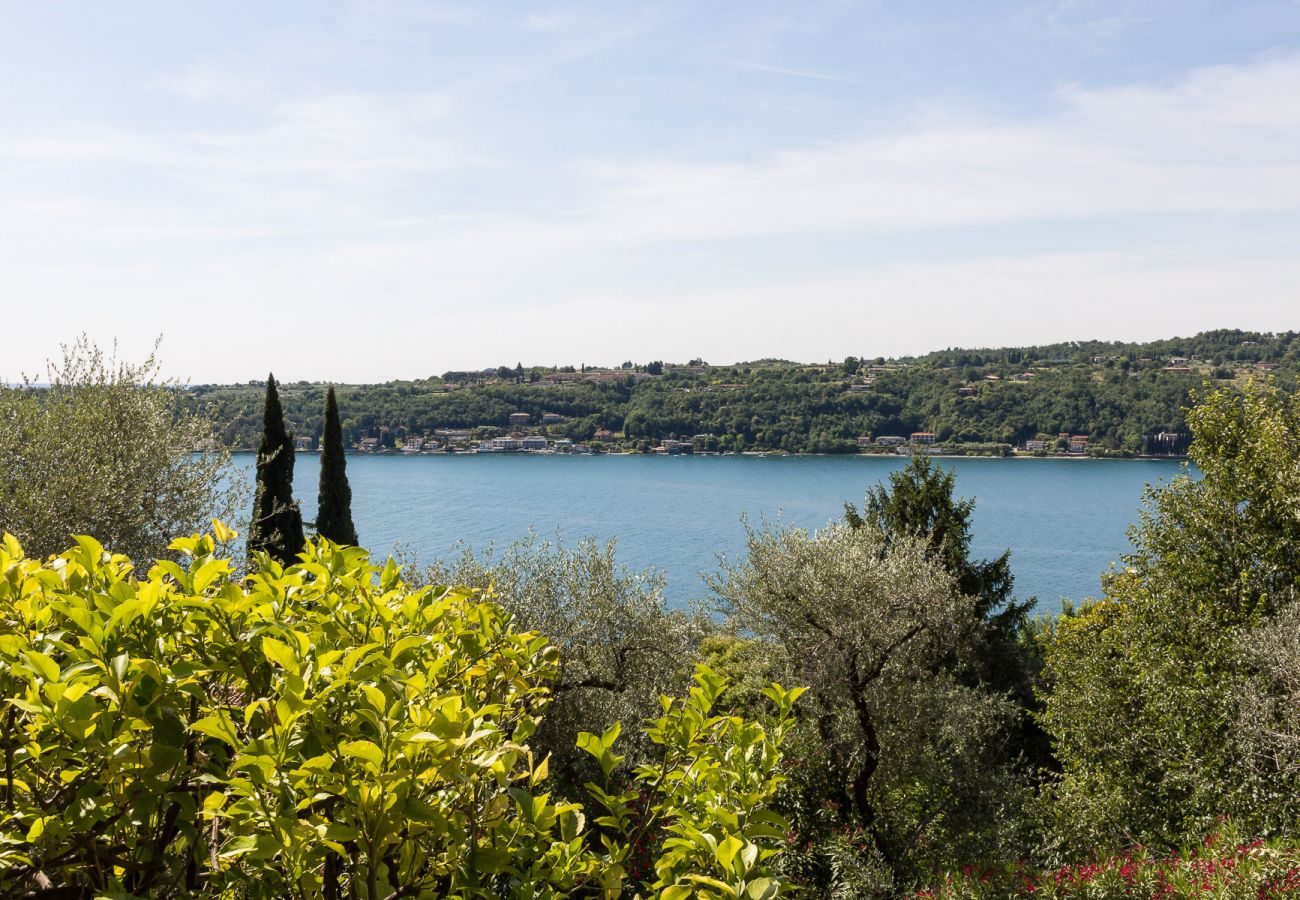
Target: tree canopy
[(107, 448), (1145, 688)]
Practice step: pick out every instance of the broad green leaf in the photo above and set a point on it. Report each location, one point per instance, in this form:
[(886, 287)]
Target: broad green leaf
[(48, 668), (94, 550), (207, 573), (540, 772), (280, 654), (366, 750), (728, 847), (712, 882), (38, 828), (376, 697), (219, 726), (337, 832), (491, 859)]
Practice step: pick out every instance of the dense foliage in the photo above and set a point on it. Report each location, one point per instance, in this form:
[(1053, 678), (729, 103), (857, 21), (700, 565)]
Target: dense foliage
[(106, 448), (322, 730), (1146, 687), (920, 502), (621, 647), (1222, 866), (1121, 395)]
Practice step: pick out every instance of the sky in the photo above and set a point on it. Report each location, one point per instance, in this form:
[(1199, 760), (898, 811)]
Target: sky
[(366, 190)]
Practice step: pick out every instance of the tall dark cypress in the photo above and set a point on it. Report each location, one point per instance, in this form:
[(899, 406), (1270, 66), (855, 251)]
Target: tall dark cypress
[(277, 521), (334, 516)]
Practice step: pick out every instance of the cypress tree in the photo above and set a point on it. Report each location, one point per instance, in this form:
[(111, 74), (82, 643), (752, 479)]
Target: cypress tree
[(334, 515), (277, 521)]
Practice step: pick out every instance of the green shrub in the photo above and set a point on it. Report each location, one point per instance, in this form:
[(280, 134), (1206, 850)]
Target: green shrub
[(323, 730)]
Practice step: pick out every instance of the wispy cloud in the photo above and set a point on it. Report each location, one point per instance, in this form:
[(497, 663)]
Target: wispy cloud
[(1091, 20), (1219, 142), (794, 73)]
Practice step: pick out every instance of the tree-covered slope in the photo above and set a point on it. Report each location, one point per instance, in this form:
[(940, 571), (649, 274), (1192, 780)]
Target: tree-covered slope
[(1119, 395)]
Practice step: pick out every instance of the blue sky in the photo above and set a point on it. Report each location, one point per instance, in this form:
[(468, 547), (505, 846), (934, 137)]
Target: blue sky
[(358, 191)]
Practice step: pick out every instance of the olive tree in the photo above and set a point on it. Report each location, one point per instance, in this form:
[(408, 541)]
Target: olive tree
[(920, 501), (899, 744), (621, 647), (106, 448), (1269, 714)]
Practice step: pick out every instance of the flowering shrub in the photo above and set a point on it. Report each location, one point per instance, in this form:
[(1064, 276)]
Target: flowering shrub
[(1223, 867)]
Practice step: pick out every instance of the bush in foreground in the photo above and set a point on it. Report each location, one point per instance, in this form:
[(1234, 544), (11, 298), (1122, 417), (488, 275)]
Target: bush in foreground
[(322, 730), (902, 769)]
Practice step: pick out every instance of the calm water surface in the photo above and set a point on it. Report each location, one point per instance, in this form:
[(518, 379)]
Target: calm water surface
[(1063, 520)]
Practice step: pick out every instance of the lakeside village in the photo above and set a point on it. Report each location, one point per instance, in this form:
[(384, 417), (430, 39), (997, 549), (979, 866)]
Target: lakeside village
[(528, 436), (1073, 401), (525, 433)]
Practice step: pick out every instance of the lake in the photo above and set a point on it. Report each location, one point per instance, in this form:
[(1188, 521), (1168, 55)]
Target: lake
[(1064, 520)]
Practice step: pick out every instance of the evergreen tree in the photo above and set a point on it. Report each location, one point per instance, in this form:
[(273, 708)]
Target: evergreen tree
[(919, 502), (334, 515), (277, 521)]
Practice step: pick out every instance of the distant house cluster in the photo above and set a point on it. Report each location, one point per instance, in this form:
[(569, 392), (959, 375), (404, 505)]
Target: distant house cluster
[(915, 439), (1076, 444)]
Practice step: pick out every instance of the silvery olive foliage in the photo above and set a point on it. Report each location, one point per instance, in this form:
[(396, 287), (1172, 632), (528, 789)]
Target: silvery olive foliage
[(898, 752), (107, 449), (1270, 712), (621, 647)]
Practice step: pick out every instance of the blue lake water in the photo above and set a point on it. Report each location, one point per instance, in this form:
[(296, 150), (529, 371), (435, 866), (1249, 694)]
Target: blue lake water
[(1064, 521)]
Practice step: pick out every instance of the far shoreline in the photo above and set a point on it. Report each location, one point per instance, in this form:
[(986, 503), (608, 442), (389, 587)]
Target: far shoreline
[(750, 454)]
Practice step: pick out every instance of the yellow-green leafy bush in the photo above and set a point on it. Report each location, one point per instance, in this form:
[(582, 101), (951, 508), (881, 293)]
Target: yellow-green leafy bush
[(323, 730)]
